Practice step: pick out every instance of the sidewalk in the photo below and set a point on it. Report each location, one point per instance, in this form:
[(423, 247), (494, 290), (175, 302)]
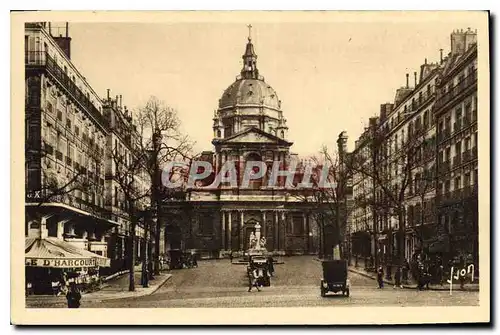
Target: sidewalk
[(360, 269), (116, 288)]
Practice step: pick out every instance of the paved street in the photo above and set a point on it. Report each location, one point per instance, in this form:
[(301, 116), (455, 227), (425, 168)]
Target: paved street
[(217, 283)]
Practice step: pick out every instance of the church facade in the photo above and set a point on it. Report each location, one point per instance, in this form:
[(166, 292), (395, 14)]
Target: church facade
[(249, 125)]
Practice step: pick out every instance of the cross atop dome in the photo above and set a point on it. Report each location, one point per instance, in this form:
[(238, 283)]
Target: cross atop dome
[(250, 70), (249, 32)]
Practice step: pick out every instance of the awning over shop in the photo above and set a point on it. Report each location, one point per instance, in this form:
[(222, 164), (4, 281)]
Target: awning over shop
[(55, 253)]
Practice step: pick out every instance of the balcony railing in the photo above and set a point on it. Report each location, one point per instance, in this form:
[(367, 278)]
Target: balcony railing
[(40, 58), (444, 135), (416, 105), (457, 89)]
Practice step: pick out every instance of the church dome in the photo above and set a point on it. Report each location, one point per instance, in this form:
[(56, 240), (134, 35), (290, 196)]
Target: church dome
[(249, 91)]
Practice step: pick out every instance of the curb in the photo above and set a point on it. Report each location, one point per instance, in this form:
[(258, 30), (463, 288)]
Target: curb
[(144, 294), (410, 287)]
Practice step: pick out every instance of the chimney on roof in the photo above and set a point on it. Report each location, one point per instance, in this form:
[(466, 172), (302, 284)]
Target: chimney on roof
[(407, 80), (425, 61), (415, 75), (108, 93), (441, 55), (120, 101), (64, 42)]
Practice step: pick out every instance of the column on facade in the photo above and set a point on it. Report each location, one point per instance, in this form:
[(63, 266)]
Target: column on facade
[(242, 237), (283, 235), (60, 228), (264, 225), (230, 235), (276, 231), (223, 231)]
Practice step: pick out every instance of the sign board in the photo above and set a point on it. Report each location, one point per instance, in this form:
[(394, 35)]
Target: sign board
[(61, 263)]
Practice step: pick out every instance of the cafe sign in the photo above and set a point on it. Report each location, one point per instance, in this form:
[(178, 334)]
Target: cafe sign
[(61, 263)]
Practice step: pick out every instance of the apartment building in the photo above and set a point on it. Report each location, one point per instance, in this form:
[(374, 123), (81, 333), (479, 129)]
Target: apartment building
[(122, 148), (435, 197), (457, 166)]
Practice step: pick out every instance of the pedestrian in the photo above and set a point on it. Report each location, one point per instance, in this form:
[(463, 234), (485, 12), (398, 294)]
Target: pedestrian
[(270, 264), (231, 257), (55, 287), (194, 260), (380, 277), (253, 279), (73, 296), (29, 288), (405, 270), (397, 278)]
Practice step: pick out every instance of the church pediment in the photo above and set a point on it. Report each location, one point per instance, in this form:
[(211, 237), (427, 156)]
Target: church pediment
[(254, 135)]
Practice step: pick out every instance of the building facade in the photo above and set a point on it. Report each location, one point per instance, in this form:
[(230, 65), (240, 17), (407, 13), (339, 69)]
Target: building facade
[(457, 163), (65, 145), (249, 125), (411, 145), (70, 135)]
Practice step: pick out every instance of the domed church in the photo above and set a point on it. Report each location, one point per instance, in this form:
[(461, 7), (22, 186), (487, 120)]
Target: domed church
[(248, 125)]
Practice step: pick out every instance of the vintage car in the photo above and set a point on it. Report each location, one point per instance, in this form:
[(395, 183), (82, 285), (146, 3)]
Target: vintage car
[(334, 277)]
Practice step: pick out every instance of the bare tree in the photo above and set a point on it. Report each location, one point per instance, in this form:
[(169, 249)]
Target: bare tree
[(163, 142), (128, 168), (390, 165), (328, 194)]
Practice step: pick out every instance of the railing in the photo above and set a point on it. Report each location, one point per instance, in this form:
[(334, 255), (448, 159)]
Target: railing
[(444, 135), (457, 89), (415, 105), (40, 58)]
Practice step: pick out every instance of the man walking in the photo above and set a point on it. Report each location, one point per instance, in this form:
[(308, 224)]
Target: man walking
[(73, 296), (380, 277)]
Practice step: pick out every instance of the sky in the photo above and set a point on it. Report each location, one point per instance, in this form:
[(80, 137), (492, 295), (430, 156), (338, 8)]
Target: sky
[(330, 76)]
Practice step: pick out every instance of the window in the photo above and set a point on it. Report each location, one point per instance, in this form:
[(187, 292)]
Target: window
[(77, 130), (457, 183), (476, 181), (116, 196), (59, 115), (467, 179), (426, 119), (458, 148), (467, 143), (447, 154), (446, 186)]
